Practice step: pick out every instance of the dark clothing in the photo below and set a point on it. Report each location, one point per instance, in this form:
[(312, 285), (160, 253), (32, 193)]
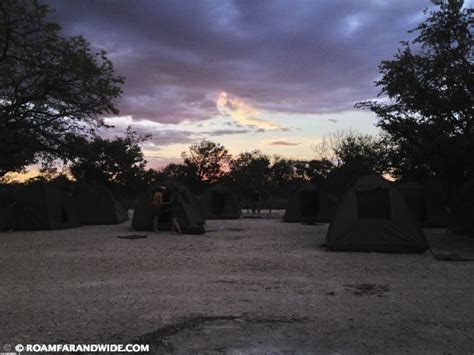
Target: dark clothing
[(256, 196), (168, 208), (256, 199), (172, 207), (167, 202), (156, 211)]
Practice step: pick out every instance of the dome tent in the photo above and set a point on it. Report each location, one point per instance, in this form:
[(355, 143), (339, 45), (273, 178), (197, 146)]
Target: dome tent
[(373, 217), (308, 205), (462, 219), (7, 203), (427, 201), (304, 205), (40, 206), (414, 197), (97, 205), (187, 210), (218, 202), (337, 182)]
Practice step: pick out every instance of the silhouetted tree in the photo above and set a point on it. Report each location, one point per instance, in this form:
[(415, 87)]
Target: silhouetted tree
[(49, 86), (208, 160), (150, 177), (287, 174), (183, 173), (364, 152), (248, 172), (117, 163), (174, 171), (310, 170), (429, 83), (281, 173)]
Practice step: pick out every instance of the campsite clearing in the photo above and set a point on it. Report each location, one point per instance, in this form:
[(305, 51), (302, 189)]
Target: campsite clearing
[(251, 285)]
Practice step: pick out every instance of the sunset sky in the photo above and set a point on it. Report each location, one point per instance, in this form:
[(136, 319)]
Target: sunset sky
[(270, 75)]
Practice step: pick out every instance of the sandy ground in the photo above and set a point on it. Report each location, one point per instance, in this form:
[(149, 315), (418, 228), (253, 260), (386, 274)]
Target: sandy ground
[(247, 286)]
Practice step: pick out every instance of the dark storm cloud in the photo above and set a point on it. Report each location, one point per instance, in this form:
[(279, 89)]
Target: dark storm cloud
[(291, 56)]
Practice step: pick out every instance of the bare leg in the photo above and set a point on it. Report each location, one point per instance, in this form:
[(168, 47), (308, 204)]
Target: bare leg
[(155, 223), (175, 226)]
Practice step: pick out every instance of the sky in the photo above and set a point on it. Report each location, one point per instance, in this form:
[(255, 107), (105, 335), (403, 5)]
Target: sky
[(272, 75)]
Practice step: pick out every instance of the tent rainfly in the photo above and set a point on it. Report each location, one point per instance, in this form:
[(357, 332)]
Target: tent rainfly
[(373, 217), (219, 202)]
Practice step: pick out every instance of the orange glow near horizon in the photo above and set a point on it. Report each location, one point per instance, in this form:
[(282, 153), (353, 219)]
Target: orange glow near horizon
[(21, 177)]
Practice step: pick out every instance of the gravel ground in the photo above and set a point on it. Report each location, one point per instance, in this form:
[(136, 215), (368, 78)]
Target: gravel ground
[(246, 286)]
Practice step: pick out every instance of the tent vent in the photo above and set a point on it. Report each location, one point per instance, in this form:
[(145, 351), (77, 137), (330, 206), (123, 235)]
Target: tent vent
[(373, 204)]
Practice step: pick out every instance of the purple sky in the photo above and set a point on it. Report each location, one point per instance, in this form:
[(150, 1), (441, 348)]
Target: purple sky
[(266, 73)]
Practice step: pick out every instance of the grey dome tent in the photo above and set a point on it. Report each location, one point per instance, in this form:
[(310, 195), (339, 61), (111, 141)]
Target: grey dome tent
[(42, 207), (97, 205), (426, 201), (219, 202), (186, 206), (373, 217), (462, 219), (308, 205)]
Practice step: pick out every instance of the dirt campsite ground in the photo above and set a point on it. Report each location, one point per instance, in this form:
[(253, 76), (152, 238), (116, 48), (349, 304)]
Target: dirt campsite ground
[(247, 286)]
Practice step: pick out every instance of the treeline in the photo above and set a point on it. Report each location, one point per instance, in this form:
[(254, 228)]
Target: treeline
[(120, 165)]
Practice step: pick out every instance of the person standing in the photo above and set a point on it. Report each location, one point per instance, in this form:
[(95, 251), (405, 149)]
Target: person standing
[(169, 200), (256, 199), (175, 227), (156, 204)]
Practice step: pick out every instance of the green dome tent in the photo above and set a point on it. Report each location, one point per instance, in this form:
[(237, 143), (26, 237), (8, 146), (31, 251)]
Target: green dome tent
[(373, 217), (42, 207), (97, 205), (219, 202), (339, 180), (308, 205), (187, 210)]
